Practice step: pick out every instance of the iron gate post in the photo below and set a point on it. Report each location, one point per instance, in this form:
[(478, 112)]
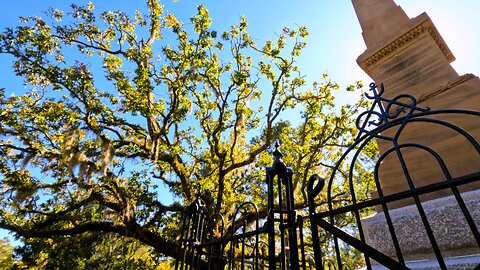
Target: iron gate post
[(284, 176)]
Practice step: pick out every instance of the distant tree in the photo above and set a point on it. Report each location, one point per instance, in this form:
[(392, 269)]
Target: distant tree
[(7, 258), (117, 104), (93, 250)]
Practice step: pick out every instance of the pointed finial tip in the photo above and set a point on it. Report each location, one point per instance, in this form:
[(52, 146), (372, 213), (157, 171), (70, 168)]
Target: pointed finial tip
[(277, 153), (277, 143)]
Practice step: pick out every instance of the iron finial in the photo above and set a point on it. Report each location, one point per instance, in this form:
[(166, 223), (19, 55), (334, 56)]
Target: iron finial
[(277, 153)]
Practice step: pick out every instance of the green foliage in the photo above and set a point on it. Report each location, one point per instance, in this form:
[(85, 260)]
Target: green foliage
[(89, 251), (84, 149), (7, 258)]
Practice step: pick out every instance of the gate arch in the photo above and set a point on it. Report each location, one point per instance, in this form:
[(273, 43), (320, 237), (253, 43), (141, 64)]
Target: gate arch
[(386, 121)]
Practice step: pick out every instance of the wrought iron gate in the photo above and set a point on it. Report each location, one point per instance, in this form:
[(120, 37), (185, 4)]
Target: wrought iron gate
[(278, 240)]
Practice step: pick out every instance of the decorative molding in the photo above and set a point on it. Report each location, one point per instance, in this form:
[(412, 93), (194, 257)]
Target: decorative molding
[(393, 46), (440, 43), (406, 38), (446, 87)]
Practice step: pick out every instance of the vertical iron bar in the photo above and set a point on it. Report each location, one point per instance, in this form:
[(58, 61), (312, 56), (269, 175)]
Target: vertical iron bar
[(257, 248), (420, 209), (209, 255), (292, 233), (187, 242), (317, 252), (270, 224), (283, 262), (466, 214), (312, 191), (386, 212), (232, 251), (182, 217), (193, 240), (356, 212), (396, 244), (200, 229), (302, 243), (337, 248), (243, 245)]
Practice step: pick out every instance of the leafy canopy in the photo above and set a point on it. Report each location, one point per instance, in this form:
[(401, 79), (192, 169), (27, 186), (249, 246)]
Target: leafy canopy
[(117, 105)]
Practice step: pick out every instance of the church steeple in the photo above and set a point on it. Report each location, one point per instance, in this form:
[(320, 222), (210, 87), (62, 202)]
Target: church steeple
[(379, 18)]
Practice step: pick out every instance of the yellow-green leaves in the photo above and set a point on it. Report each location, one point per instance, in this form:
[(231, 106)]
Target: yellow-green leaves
[(123, 103), (112, 63), (90, 6), (202, 20), (171, 21)]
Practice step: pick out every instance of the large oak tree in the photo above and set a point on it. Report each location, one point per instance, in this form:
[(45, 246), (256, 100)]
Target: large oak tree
[(118, 104)]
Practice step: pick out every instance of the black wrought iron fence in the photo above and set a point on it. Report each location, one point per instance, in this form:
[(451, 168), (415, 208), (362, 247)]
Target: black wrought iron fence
[(205, 244), (279, 240)]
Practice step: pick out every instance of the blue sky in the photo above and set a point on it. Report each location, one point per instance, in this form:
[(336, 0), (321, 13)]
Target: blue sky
[(335, 39)]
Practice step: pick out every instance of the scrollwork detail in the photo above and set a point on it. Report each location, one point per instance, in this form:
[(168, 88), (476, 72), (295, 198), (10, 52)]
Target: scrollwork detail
[(383, 109)]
